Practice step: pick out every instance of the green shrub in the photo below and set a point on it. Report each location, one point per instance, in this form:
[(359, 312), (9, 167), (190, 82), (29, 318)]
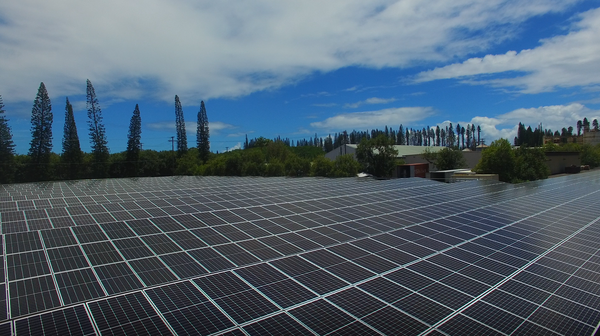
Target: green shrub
[(321, 166)]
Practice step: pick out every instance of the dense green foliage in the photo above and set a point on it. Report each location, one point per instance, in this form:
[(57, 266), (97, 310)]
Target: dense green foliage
[(134, 142), (377, 155), (589, 154), (528, 137), (445, 159), (202, 134), (41, 134), (180, 128), (97, 133), (72, 156), (523, 164), (530, 164), (498, 158), (7, 148), (265, 157)]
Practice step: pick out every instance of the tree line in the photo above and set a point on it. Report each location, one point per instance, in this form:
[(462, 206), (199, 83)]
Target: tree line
[(460, 137), (41, 164), (535, 138), (260, 156)]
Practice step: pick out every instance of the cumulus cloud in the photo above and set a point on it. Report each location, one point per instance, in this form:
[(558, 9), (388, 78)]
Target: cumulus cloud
[(372, 119), (325, 105), (190, 127), (551, 117), (239, 134), (371, 101), (237, 146), (205, 49), (562, 61)]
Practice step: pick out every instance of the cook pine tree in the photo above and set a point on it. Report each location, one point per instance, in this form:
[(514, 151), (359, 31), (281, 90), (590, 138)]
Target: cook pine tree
[(134, 142), (97, 133), (7, 148), (72, 156), (41, 136), (180, 128), (202, 135)]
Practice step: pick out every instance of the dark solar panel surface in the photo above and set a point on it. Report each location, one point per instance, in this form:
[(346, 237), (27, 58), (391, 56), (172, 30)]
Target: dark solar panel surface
[(258, 256)]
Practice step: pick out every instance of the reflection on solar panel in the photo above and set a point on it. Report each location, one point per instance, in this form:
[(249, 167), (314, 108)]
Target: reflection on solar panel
[(256, 256)]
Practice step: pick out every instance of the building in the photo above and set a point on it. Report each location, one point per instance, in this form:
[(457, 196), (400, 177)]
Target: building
[(410, 154), (589, 137)]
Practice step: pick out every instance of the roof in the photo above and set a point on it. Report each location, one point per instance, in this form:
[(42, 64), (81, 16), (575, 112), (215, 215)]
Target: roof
[(403, 150), (214, 255)]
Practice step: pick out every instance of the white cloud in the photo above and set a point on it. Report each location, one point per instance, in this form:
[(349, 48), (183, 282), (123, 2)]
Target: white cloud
[(217, 126), (371, 101), (237, 146), (325, 105), (562, 61), (372, 119), (301, 131), (200, 49), (551, 117), (239, 134), (190, 127)]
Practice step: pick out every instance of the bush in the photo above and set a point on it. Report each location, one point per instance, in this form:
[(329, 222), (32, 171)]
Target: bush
[(253, 162), (590, 155), (498, 158), (530, 164), (295, 166), (345, 166), (446, 159), (321, 166), (188, 162), (377, 156), (523, 164), (275, 168)]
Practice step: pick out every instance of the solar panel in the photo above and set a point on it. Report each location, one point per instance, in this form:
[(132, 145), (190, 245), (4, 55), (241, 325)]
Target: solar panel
[(212, 255)]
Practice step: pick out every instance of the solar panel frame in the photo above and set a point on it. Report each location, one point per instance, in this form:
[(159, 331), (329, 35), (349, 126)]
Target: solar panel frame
[(505, 258)]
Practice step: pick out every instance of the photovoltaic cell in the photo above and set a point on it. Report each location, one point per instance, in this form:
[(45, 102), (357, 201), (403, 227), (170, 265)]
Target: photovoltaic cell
[(321, 316), (78, 286), (27, 265), (127, 314), (320, 281), (423, 308), (187, 310), (281, 324), (117, 278), (329, 256), (356, 302), (385, 290), (152, 271), (68, 321), (394, 322), (183, 265), (32, 295), (211, 259), (246, 305)]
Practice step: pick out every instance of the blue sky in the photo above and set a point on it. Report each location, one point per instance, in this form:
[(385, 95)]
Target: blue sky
[(296, 68)]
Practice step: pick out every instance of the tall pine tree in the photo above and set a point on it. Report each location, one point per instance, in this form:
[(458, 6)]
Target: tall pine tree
[(134, 141), (41, 135), (202, 136), (180, 127), (72, 156), (97, 133), (7, 148)]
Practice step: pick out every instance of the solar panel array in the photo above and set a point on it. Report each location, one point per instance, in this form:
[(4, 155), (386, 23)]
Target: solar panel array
[(257, 256)]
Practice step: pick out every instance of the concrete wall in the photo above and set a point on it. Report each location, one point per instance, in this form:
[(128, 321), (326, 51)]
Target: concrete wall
[(341, 151), (557, 161), (472, 158), (591, 137)]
